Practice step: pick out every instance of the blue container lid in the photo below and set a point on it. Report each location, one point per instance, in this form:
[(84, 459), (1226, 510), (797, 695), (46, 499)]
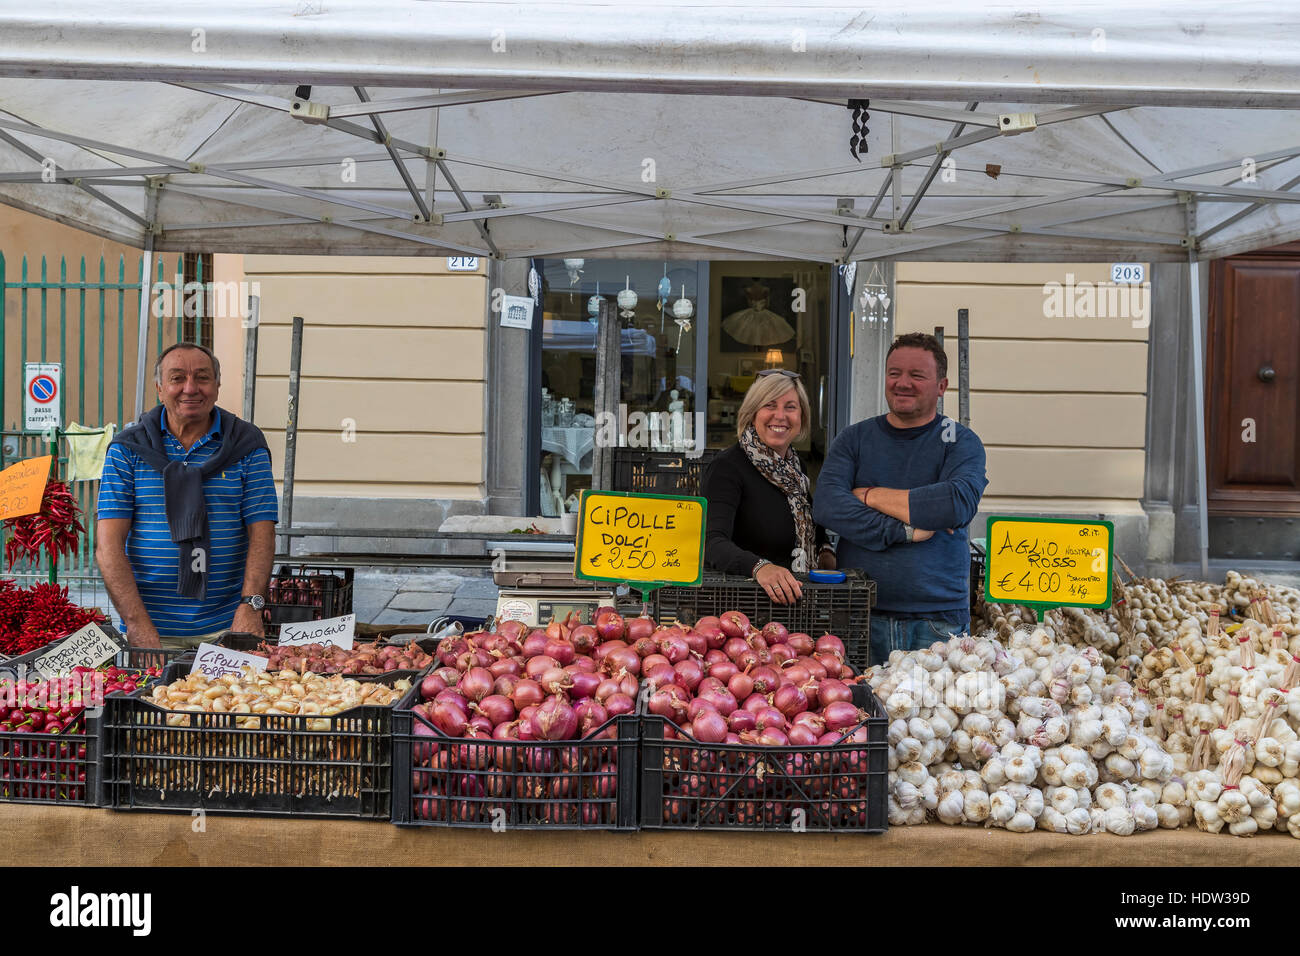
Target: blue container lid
[(827, 577)]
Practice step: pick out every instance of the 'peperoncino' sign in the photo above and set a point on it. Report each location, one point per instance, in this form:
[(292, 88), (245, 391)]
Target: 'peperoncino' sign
[(220, 661), (338, 631), (89, 647)]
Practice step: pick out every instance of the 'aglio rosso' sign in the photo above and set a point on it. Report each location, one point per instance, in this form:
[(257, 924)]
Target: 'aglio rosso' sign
[(640, 539)]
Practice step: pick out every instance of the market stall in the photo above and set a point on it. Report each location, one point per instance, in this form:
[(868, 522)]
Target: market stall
[(1151, 725)]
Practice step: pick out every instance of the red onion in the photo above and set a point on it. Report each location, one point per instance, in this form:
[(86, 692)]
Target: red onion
[(451, 648), (815, 668), (618, 704), (561, 650), (659, 675), (697, 705), (720, 698), (449, 675), (801, 735), (507, 731), (709, 629), (814, 722), (628, 685), (841, 715), (797, 674), (832, 690), (477, 683), (609, 626), (781, 653), (675, 648), (689, 673), (695, 641), (746, 659), (504, 665), (526, 731), (802, 644), (591, 716), (496, 708), (555, 720), (742, 720), (584, 638), (771, 717), (453, 696), (722, 670), (773, 737), (623, 658), (639, 627), (535, 643), (735, 647), (527, 693), (556, 681), (645, 646), (789, 700), (830, 644), (448, 718), (653, 659), (585, 684), (604, 650), (479, 726), (834, 665), (766, 679), (774, 632), (606, 688), (665, 704), (430, 687), (539, 665), (755, 703), (512, 630), (732, 738), (709, 727), (733, 624)]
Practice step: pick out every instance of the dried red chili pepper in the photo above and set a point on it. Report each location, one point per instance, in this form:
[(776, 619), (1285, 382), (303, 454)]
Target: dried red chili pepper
[(56, 528)]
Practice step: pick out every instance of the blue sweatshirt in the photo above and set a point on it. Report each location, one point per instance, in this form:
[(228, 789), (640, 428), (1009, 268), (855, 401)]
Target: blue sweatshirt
[(946, 478)]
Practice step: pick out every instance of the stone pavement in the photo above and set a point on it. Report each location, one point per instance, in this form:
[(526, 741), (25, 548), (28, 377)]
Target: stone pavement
[(412, 596)]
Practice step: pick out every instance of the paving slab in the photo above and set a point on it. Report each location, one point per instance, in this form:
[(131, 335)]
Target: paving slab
[(420, 600), (406, 617)]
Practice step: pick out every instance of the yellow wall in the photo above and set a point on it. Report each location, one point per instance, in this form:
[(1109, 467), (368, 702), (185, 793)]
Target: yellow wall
[(396, 346), (1060, 403), (23, 234)]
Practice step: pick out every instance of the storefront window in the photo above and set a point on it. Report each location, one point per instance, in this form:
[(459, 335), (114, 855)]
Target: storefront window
[(659, 381)]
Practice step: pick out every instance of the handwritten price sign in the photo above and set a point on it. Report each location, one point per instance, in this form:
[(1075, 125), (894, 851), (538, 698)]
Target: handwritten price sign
[(649, 540), (22, 487), (1049, 562), (219, 661)]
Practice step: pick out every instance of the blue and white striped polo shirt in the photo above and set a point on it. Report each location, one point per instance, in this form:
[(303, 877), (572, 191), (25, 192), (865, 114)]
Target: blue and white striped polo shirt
[(243, 493)]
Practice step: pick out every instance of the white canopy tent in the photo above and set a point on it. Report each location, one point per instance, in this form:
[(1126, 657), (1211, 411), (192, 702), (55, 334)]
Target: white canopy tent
[(1050, 132)]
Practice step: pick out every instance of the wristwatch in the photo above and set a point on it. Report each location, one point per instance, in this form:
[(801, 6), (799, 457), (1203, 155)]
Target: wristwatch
[(255, 601), (910, 531)]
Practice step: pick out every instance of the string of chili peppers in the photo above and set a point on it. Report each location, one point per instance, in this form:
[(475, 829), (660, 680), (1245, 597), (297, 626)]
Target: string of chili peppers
[(56, 529)]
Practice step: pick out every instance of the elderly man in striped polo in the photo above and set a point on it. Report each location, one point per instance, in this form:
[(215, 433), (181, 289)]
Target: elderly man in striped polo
[(187, 512)]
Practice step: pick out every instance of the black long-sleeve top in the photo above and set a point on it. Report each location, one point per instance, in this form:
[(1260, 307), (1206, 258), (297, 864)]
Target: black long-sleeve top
[(749, 517)]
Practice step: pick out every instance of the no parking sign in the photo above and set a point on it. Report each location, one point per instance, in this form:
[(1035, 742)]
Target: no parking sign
[(41, 395)]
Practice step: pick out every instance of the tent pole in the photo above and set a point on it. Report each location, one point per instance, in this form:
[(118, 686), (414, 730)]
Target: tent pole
[(1198, 406), (146, 281)]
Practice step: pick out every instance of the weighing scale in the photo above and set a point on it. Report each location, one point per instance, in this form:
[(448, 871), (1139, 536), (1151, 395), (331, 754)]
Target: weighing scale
[(537, 583)]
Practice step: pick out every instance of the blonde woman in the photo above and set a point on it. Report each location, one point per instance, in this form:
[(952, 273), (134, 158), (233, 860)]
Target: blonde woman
[(760, 510)]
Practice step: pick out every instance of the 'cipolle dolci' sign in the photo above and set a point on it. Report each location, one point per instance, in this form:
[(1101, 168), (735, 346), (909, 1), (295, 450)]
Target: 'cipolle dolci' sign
[(338, 631), (89, 647), (220, 661)]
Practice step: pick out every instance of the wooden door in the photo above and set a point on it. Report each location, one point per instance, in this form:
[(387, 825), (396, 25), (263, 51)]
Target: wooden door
[(1253, 383)]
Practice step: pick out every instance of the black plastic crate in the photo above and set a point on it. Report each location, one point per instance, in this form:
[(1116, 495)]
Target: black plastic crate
[(29, 760), (688, 785), (587, 784), (282, 768), (659, 472), (145, 657), (840, 609), (978, 564), (303, 592)]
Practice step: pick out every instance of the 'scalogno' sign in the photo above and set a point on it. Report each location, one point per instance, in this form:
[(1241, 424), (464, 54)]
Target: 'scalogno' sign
[(644, 540), (1049, 562)]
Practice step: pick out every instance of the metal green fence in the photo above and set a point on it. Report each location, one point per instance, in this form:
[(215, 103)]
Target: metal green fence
[(101, 314)]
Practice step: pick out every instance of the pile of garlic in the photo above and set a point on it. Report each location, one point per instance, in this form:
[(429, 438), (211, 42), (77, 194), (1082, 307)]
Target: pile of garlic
[(1034, 735)]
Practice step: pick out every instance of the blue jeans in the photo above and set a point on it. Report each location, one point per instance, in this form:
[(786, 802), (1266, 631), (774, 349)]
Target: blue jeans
[(890, 633)]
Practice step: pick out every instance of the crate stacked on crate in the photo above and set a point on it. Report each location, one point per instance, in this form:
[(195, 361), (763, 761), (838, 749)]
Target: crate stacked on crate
[(251, 761), (840, 609), (301, 592), (659, 472), (837, 787)]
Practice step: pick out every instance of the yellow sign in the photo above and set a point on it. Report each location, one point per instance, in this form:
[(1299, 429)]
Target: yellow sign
[(1049, 562), (22, 487), (640, 539)]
